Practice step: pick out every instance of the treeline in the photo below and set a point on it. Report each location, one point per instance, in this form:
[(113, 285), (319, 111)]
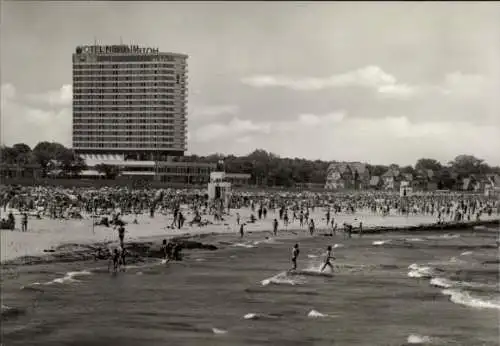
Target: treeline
[(272, 170), (266, 169)]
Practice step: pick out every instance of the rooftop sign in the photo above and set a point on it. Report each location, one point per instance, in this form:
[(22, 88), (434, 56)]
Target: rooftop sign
[(123, 49)]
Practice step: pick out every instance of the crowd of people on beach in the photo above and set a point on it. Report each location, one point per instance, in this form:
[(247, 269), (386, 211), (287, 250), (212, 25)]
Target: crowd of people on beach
[(108, 205), (60, 203)]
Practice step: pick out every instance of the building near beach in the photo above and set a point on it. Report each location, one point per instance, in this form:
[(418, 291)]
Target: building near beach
[(130, 110), (129, 102)]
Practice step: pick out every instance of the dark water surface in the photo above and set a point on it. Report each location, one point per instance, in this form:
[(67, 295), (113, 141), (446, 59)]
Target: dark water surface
[(373, 298)]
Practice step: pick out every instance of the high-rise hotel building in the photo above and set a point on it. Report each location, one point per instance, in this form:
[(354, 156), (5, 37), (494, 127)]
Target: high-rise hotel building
[(129, 101)]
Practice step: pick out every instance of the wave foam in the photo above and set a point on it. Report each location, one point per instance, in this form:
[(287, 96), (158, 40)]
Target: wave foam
[(443, 236), (418, 339), (414, 239), (257, 316), (466, 253), (266, 241), (219, 331), (380, 242), (283, 279), (417, 271), (247, 246), (68, 277), (316, 314), (441, 282), (464, 298)]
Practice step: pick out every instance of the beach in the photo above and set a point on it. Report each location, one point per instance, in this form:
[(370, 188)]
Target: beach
[(48, 234)]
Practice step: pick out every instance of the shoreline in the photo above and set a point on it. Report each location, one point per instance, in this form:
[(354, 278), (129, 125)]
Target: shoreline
[(149, 247)]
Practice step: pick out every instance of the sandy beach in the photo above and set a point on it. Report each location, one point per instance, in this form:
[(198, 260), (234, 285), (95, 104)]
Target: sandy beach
[(46, 234)]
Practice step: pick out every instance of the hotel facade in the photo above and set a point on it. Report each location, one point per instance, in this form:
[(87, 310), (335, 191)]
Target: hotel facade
[(129, 102), (130, 111)]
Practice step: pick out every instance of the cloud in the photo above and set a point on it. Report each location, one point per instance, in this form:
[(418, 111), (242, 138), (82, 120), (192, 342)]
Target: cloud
[(24, 123), (213, 111), (372, 77), (54, 98), (7, 92), (235, 128), (337, 134), (243, 130), (384, 141), (309, 119), (385, 85)]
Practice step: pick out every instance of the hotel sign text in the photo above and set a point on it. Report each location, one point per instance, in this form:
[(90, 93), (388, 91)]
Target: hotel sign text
[(115, 49)]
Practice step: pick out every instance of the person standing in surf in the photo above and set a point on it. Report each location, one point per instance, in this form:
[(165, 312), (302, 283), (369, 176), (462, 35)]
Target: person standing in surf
[(311, 227), (121, 234), (275, 227), (115, 257), (24, 222), (242, 230), (295, 255), (327, 258)]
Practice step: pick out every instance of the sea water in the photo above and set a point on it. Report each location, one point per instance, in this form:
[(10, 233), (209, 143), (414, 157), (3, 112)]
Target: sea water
[(381, 292)]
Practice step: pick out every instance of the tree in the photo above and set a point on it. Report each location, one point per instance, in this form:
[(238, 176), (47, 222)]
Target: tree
[(425, 164), (466, 165), (46, 152), (377, 170), (408, 170), (71, 164), (8, 155), (109, 171), (23, 153)]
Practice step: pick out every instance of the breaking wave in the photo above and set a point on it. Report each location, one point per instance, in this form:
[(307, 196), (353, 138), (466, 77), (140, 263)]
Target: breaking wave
[(316, 314), (284, 279), (417, 271), (380, 242), (218, 331), (462, 297), (418, 339), (257, 316)]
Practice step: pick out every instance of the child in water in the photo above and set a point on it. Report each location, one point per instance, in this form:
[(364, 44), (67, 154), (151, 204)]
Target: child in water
[(327, 258)]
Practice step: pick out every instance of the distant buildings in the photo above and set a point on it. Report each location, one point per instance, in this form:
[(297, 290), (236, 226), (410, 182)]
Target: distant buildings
[(351, 175)]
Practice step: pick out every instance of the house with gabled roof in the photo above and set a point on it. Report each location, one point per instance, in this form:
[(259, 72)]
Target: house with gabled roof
[(391, 179), (347, 175)]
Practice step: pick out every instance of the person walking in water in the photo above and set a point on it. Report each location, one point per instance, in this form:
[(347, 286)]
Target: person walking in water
[(311, 227), (327, 258), (295, 255), (242, 230), (24, 222), (121, 234), (275, 227)]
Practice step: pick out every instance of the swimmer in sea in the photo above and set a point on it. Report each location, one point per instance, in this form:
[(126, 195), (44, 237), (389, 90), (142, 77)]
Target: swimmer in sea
[(327, 259), (295, 255)]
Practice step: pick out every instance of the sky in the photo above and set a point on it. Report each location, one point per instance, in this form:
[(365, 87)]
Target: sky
[(374, 82)]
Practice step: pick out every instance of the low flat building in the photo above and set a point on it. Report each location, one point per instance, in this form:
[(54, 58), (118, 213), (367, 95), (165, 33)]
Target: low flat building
[(164, 171)]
